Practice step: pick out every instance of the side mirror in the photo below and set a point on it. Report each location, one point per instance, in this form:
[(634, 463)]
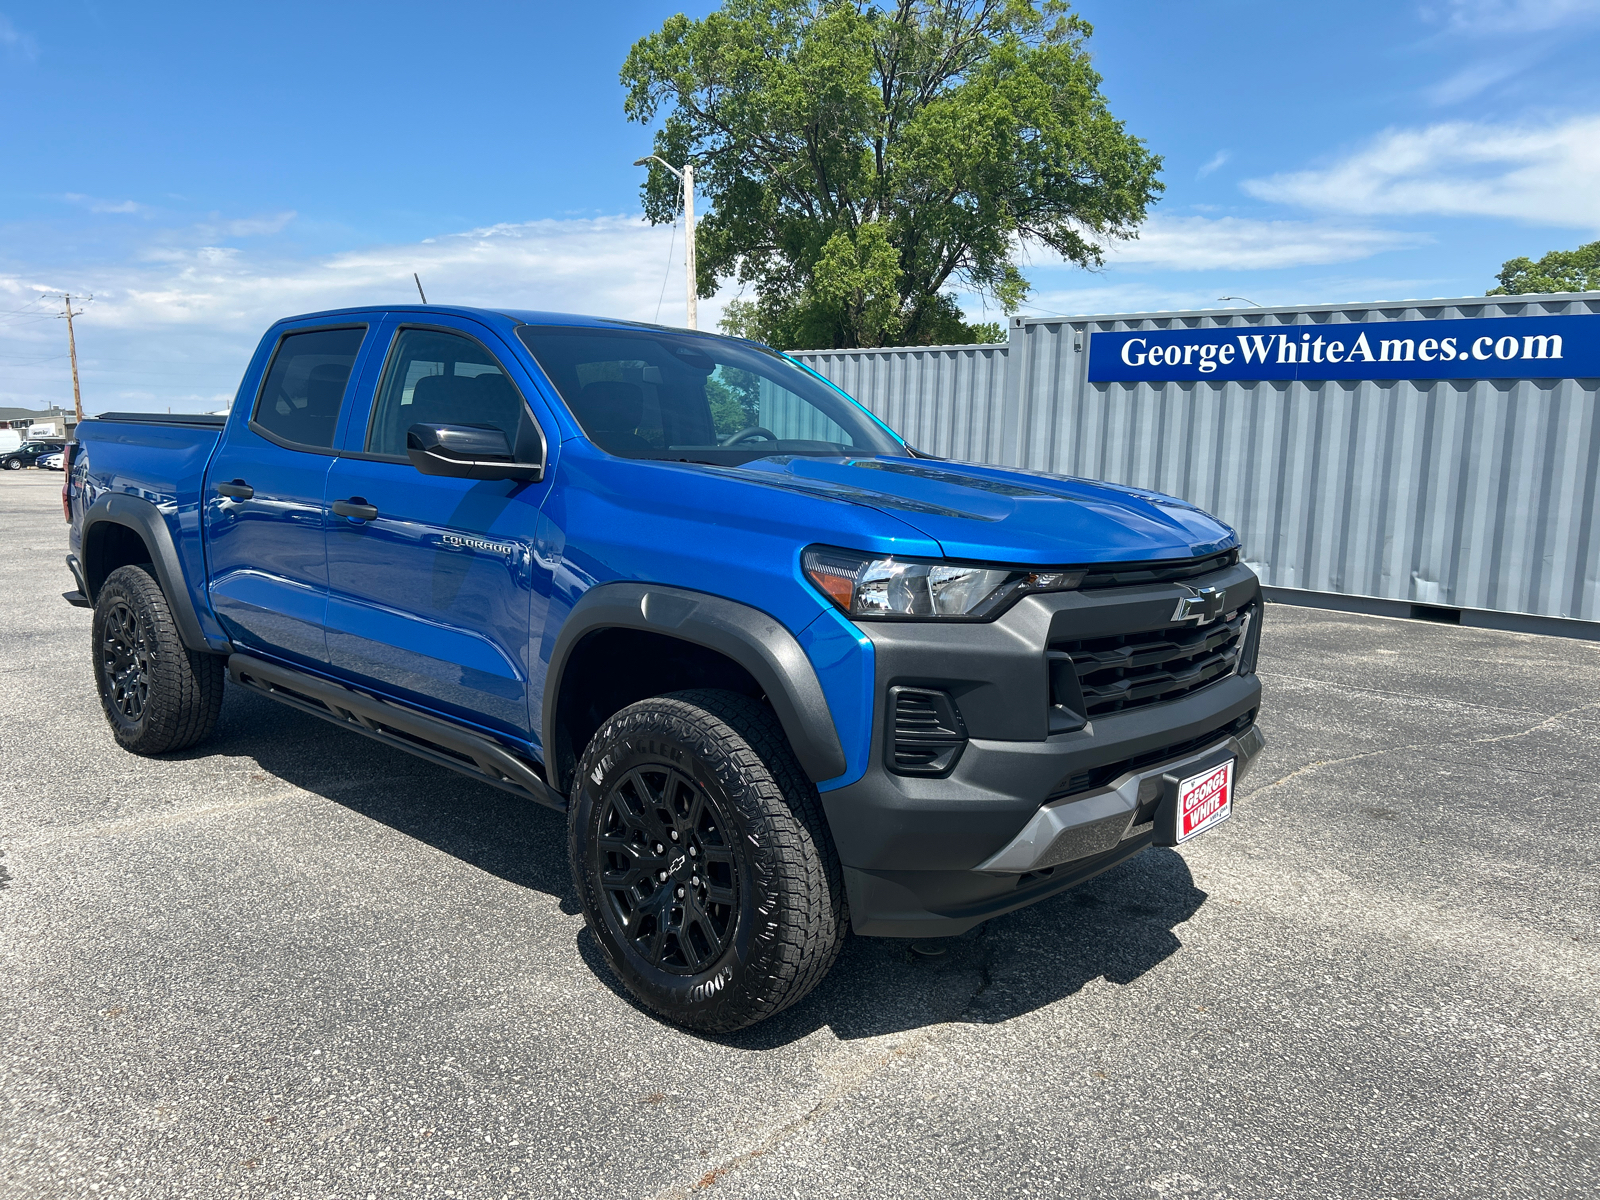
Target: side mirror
[(467, 452)]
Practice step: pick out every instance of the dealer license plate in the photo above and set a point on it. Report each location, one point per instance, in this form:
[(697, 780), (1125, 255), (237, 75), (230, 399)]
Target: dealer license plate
[(1205, 800)]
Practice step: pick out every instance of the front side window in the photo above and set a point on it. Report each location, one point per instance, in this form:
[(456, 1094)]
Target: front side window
[(437, 378), (659, 394), (305, 385)]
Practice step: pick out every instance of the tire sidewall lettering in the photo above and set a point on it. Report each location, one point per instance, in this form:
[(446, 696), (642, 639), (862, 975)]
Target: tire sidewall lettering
[(708, 988)]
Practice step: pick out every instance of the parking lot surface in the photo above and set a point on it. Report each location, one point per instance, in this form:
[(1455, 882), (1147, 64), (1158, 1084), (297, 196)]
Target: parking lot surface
[(294, 963)]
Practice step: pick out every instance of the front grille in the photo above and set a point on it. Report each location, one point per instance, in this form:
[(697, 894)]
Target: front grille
[(1096, 777), (1131, 574), (1132, 670)]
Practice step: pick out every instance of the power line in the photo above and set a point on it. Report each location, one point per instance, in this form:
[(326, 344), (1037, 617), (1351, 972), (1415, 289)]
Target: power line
[(31, 361), (667, 274)]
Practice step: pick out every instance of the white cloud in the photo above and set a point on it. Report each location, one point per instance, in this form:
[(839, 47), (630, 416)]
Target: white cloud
[(176, 323), (1242, 244), (1477, 78), (1490, 17), (1217, 159), (608, 265), (247, 227), (1547, 174), (95, 205), (16, 43)]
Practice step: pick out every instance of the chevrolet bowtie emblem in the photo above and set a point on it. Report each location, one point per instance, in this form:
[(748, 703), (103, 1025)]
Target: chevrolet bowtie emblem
[(1202, 604)]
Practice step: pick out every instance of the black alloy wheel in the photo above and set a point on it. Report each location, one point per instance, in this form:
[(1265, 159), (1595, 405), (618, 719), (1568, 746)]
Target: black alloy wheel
[(125, 660), (667, 869)]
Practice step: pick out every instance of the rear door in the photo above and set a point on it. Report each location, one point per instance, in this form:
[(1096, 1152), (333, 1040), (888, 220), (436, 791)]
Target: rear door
[(264, 502), (435, 594)]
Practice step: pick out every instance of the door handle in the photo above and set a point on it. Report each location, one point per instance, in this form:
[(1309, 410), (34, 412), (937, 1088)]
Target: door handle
[(355, 508), (237, 490)]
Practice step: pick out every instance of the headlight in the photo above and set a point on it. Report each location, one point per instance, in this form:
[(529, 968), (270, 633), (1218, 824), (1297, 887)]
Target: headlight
[(863, 585)]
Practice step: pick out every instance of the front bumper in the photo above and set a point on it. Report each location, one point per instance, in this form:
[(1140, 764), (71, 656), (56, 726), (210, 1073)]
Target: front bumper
[(1023, 814)]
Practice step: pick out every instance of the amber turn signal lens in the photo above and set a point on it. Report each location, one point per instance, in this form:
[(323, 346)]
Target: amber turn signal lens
[(834, 586)]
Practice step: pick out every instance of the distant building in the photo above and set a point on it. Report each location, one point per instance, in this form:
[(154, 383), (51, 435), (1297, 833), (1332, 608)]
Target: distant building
[(53, 423)]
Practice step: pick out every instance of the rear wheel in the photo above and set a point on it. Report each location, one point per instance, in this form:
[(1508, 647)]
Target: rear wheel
[(158, 695), (703, 862)]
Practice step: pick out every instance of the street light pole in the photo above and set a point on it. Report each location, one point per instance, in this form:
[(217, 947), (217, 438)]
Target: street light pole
[(686, 175), (693, 292)]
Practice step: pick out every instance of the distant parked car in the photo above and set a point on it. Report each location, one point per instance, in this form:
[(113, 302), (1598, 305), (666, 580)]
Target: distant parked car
[(28, 454), (52, 462)]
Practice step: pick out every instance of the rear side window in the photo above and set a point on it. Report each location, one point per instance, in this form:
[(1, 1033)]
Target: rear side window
[(446, 379), (305, 386)]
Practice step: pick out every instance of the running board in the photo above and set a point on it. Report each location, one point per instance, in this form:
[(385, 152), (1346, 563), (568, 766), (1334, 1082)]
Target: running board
[(426, 737)]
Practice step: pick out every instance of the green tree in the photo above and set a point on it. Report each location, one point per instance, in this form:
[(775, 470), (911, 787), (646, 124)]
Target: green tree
[(1558, 271), (862, 160)]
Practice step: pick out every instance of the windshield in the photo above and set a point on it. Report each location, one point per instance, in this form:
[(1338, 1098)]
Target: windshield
[(655, 394)]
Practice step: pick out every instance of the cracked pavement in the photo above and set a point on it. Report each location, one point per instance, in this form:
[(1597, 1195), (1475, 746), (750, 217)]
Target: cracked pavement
[(293, 963)]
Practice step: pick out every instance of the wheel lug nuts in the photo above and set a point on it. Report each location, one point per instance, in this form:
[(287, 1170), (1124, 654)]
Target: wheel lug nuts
[(693, 852), (680, 893), (695, 881), (674, 835), (662, 876), (659, 847)]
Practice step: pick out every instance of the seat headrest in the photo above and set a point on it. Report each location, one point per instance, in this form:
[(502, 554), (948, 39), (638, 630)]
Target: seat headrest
[(325, 387), (612, 406)]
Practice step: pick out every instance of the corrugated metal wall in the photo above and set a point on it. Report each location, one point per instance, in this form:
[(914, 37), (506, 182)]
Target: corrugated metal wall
[(1478, 495), (948, 400)]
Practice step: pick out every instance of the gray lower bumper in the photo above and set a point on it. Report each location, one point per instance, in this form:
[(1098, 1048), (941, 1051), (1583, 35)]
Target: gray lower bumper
[(1096, 822)]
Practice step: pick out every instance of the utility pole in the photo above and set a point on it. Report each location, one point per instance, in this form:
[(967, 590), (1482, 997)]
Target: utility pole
[(72, 350), (688, 245), (686, 175)]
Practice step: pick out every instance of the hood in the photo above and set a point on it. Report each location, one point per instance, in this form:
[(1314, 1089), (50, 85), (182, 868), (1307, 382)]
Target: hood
[(1000, 515)]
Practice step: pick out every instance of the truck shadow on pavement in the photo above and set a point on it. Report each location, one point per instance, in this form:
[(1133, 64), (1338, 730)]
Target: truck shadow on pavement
[(1114, 928)]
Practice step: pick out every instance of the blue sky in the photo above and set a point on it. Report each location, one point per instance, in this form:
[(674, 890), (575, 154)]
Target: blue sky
[(203, 169)]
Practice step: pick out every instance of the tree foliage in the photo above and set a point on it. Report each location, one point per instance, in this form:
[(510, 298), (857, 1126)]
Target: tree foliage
[(864, 160), (1558, 271)]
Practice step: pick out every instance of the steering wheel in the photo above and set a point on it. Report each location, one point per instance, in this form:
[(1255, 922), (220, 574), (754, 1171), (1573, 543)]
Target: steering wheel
[(733, 439)]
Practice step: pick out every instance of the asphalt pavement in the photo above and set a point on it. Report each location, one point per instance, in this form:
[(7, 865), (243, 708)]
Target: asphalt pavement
[(293, 963)]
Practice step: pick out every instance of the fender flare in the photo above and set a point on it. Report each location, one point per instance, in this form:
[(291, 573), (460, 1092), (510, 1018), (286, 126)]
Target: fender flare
[(757, 642), (145, 519)]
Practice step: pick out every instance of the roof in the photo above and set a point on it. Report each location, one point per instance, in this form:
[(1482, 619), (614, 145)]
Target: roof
[(24, 414), (504, 318)]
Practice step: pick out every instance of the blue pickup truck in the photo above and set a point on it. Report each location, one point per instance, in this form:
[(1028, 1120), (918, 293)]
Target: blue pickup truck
[(786, 675)]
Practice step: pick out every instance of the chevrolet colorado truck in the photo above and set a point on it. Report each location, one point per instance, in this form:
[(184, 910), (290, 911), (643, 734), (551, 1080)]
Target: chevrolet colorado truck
[(785, 675)]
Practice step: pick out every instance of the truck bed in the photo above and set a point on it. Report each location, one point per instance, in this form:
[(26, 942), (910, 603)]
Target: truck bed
[(156, 458)]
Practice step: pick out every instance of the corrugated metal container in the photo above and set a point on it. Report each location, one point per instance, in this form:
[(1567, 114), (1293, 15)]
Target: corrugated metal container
[(1466, 494), (947, 400)]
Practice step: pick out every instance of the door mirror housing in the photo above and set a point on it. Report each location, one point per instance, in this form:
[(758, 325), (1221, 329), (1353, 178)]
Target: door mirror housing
[(467, 452)]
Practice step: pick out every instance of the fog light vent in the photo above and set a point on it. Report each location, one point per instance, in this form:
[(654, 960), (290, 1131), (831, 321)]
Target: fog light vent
[(926, 733)]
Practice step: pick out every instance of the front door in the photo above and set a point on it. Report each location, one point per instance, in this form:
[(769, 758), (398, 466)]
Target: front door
[(264, 498), (433, 583)]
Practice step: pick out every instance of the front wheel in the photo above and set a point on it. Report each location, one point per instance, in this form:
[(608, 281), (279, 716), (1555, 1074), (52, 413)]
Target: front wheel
[(158, 695), (13, 464), (703, 862)]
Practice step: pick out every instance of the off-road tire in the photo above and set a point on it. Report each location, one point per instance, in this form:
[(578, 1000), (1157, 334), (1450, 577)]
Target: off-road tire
[(789, 913), (158, 695)]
